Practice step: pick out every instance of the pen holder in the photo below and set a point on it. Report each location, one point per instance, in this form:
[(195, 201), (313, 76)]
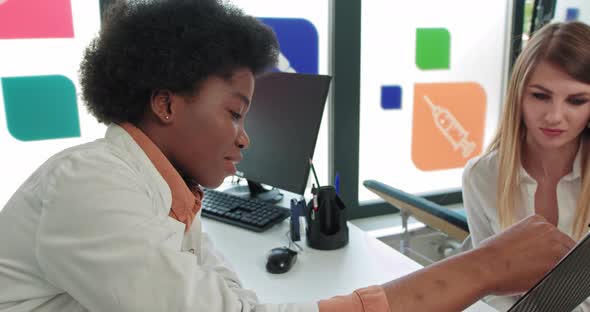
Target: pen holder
[(326, 227)]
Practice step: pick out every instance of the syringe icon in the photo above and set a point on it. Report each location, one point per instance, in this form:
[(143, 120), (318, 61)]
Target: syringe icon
[(284, 65), (451, 129)]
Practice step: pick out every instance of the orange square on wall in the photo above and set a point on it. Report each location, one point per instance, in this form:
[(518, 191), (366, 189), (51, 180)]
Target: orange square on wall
[(448, 124)]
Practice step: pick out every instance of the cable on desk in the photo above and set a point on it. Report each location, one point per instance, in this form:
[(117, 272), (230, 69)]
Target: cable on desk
[(291, 242)]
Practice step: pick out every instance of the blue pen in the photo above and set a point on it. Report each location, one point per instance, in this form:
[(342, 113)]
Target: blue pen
[(337, 183)]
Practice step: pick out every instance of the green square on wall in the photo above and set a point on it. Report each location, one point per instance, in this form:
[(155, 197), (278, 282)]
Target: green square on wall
[(40, 107), (433, 48)]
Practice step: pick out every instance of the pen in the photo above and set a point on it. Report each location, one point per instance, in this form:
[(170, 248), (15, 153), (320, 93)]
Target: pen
[(337, 183), (314, 202), (314, 174)]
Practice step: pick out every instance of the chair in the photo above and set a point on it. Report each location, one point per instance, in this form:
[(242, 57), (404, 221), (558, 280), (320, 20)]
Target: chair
[(451, 222)]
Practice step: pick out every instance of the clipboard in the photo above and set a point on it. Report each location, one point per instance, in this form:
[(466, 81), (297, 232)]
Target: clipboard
[(565, 287)]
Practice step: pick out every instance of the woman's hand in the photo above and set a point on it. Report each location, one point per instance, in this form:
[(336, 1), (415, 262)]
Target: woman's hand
[(517, 258)]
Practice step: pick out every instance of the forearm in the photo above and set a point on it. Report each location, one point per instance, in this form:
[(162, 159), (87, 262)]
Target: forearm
[(449, 285), (510, 262)]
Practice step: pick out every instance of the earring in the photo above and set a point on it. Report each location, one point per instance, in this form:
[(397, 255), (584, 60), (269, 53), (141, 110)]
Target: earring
[(167, 117)]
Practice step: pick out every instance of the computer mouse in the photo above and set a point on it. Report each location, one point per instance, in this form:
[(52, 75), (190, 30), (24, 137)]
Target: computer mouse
[(280, 260)]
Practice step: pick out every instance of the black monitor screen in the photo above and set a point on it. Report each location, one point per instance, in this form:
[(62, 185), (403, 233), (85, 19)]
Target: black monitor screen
[(283, 124)]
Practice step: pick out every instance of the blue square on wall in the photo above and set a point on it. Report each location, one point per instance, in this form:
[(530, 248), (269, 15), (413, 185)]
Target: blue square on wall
[(298, 39), (391, 97), (572, 14)]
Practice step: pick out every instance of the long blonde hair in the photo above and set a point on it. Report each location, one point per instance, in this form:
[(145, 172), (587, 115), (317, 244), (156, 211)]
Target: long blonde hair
[(566, 45)]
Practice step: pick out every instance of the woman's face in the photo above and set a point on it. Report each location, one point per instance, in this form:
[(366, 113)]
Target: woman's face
[(555, 107), (209, 128)]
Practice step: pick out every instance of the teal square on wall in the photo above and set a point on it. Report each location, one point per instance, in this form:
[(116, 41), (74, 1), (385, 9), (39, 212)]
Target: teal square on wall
[(433, 48), (40, 107)]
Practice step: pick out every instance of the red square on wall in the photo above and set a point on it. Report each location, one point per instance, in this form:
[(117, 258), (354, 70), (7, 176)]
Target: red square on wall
[(36, 19)]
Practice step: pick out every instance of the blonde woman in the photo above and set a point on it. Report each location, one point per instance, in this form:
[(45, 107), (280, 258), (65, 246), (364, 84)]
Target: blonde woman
[(536, 164)]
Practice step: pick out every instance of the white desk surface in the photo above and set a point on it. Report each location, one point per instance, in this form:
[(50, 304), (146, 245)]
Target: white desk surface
[(317, 274)]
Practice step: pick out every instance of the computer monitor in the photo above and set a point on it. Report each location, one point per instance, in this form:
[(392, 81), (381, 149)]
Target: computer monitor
[(283, 125)]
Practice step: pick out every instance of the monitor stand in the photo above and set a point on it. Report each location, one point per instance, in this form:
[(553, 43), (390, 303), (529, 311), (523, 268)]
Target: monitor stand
[(256, 190)]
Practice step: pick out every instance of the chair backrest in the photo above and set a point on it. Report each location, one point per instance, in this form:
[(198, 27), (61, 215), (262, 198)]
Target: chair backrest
[(452, 222)]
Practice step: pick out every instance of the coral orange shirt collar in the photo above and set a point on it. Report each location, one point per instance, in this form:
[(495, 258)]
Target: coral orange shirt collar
[(186, 202)]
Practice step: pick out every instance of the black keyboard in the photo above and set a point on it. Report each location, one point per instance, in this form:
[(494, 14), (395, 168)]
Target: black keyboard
[(251, 214)]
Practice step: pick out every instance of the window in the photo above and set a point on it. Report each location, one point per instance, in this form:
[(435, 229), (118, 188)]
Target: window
[(570, 10), (432, 75)]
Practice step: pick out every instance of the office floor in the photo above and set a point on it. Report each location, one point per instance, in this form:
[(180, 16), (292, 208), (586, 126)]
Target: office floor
[(425, 246)]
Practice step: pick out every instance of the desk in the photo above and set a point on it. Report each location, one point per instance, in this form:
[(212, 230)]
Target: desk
[(317, 274)]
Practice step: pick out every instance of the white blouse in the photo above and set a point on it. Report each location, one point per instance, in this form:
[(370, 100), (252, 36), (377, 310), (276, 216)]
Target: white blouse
[(479, 199)]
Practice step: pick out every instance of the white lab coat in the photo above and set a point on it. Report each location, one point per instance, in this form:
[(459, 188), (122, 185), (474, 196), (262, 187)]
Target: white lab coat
[(90, 231), (480, 178)]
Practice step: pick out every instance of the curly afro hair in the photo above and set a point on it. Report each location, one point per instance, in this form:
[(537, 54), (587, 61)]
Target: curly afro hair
[(149, 45)]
